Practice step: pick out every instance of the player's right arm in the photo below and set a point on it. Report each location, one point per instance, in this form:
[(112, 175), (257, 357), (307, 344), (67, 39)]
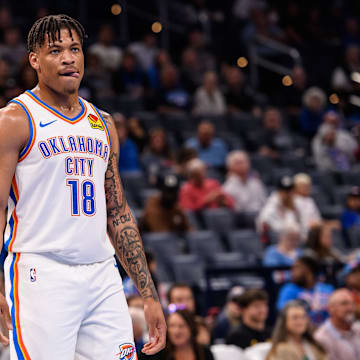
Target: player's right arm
[(14, 133)]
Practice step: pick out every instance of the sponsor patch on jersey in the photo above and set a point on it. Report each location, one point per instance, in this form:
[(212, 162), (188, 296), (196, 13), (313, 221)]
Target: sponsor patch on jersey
[(127, 352), (95, 122)]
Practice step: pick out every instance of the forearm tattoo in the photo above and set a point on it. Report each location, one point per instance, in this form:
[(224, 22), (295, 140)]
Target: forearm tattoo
[(124, 233)]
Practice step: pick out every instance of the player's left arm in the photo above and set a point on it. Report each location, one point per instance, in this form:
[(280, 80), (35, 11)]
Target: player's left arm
[(127, 242)]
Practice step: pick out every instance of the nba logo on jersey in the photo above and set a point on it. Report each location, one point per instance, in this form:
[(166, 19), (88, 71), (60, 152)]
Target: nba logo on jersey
[(32, 274), (127, 352)]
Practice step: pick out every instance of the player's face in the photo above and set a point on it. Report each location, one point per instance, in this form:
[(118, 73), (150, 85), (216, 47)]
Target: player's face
[(60, 65)]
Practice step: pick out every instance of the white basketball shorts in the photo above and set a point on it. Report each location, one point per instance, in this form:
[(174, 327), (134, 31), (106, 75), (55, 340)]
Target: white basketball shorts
[(67, 312)]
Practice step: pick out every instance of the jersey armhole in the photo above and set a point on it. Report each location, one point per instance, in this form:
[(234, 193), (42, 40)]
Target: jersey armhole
[(26, 150)]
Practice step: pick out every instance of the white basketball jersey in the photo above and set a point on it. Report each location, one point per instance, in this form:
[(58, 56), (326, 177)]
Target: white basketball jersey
[(57, 199)]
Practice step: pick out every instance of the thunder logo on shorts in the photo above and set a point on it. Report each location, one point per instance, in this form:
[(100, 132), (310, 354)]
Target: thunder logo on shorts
[(127, 352)]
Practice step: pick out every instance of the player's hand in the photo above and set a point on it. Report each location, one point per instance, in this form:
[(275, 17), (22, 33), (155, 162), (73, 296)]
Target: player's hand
[(5, 319), (157, 327)]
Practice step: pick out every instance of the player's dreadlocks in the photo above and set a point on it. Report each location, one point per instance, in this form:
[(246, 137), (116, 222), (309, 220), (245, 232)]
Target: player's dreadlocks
[(51, 25)]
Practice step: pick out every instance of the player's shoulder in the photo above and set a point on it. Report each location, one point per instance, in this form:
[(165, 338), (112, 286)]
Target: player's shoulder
[(12, 116), (107, 117)]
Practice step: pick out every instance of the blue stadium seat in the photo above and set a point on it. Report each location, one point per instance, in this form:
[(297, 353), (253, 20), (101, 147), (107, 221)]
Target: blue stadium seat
[(354, 235), (204, 243), (229, 260), (337, 239), (189, 269), (219, 220), (350, 177), (247, 242)]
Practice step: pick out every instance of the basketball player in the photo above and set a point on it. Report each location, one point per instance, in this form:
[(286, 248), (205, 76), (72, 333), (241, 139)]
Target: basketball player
[(59, 180)]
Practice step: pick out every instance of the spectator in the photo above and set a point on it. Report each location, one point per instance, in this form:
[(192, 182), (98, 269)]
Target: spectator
[(200, 192), (229, 317), (238, 95), (339, 335), (314, 104), (171, 96), (253, 329), (13, 50), (210, 149), (137, 133), (129, 79), (351, 215), (110, 54), (208, 99), (191, 70), (272, 139), (352, 32), (204, 334), (242, 184), (128, 152), (181, 339), (279, 210), (329, 152), (158, 157), (286, 251), (135, 301), (307, 208), (292, 337), (141, 335), (145, 50), (352, 282), (162, 212), (341, 77), (183, 156), (162, 58), (319, 244), (181, 294), (304, 286)]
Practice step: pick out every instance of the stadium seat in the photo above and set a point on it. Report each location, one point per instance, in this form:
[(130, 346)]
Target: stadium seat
[(164, 244), (218, 121), (145, 194), (350, 177), (354, 235), (194, 220), (219, 220), (331, 212), (189, 269), (337, 239), (230, 260), (340, 194), (242, 123), (247, 242), (149, 119), (204, 243), (325, 179)]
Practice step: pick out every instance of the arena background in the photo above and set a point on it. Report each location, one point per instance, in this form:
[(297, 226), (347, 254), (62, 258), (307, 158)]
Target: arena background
[(281, 49)]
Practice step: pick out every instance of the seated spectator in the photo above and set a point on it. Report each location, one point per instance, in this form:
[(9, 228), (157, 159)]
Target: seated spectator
[(279, 210), (145, 50), (330, 153), (208, 99), (292, 337), (128, 152), (339, 335), (304, 286), (181, 339), (314, 104), (137, 133), (351, 214), (158, 156), (242, 184), (110, 54), (254, 311), (191, 70), (307, 208), (238, 95), (183, 156), (129, 78), (140, 332), (200, 192), (210, 149), (319, 244), (162, 212), (181, 295), (171, 97), (204, 334), (272, 139), (230, 316), (286, 251)]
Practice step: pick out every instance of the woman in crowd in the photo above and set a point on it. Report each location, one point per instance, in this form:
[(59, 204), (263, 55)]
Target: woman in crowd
[(292, 338), (181, 339)]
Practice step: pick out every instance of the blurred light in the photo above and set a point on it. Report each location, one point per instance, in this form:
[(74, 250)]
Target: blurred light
[(156, 27), (334, 99), (242, 62), (116, 9), (355, 76), (287, 80)]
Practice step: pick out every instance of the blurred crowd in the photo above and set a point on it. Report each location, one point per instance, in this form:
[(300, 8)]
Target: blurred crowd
[(224, 172)]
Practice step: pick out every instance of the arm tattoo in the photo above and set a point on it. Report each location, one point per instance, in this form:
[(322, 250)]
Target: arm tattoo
[(124, 233)]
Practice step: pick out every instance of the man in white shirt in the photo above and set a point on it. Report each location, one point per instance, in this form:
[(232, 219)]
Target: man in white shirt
[(242, 184), (339, 335)]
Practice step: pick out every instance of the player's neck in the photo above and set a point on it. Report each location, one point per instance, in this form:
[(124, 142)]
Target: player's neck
[(62, 102)]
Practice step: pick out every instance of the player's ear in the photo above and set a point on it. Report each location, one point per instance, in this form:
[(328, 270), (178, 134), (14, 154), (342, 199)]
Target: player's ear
[(34, 60)]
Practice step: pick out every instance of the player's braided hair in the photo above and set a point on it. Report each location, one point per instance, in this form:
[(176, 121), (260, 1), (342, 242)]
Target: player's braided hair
[(51, 25)]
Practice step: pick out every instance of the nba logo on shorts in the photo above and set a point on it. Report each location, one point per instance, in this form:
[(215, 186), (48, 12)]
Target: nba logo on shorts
[(127, 352), (32, 274)]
